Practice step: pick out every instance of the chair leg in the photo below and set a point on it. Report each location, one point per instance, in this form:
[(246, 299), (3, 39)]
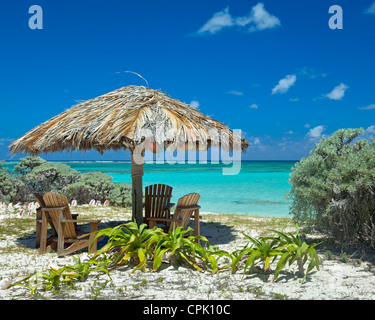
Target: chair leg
[(37, 233), (197, 231), (60, 239), (92, 243), (43, 234)]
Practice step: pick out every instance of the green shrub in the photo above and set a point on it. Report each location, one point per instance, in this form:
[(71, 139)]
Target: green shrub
[(12, 188), (100, 184), (27, 164), (79, 191), (51, 177), (334, 187), (121, 195)]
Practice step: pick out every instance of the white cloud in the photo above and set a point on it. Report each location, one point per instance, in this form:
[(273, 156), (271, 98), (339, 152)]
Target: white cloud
[(293, 99), (284, 84), (371, 129), (235, 92), (254, 106), (371, 9), (369, 107), (256, 140), (338, 92), (311, 73), (257, 20), (316, 133), (218, 21), (194, 104)]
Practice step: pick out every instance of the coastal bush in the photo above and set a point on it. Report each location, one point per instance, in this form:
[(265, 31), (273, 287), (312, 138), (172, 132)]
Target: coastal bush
[(12, 188), (27, 164), (100, 184), (121, 195), (36, 175), (8, 189), (79, 191), (51, 177), (334, 187)]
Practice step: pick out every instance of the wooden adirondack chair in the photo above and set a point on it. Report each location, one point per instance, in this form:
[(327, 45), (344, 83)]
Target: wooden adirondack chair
[(39, 199), (157, 202), (68, 238), (186, 208)]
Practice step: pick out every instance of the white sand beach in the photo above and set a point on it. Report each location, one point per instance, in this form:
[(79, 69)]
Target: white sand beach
[(337, 279)]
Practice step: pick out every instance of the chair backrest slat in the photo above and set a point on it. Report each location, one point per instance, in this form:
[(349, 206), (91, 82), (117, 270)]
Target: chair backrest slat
[(157, 196), (53, 200), (188, 200)]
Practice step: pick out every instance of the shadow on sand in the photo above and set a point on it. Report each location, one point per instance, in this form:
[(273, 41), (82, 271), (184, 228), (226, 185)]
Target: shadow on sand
[(216, 233)]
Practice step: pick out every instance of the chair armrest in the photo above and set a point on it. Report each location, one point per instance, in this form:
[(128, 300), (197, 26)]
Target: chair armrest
[(161, 219), (168, 206), (196, 207), (81, 220), (54, 209)]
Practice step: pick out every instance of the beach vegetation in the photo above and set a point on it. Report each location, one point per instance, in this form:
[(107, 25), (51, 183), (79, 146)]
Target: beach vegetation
[(27, 164), (9, 186), (128, 243), (121, 195), (54, 277), (296, 250), (51, 177), (139, 248), (285, 249), (333, 188), (36, 175), (263, 249)]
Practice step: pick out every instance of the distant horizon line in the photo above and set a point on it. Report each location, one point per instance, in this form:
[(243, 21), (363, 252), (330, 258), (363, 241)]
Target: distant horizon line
[(197, 162)]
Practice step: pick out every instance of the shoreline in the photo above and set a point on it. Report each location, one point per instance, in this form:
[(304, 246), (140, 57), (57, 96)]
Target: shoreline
[(335, 280)]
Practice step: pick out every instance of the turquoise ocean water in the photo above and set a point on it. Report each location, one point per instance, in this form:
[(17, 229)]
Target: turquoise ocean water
[(258, 189)]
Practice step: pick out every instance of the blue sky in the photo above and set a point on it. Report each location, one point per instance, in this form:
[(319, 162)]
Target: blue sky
[(272, 68)]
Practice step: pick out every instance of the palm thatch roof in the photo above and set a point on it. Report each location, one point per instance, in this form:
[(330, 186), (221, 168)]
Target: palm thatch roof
[(122, 119)]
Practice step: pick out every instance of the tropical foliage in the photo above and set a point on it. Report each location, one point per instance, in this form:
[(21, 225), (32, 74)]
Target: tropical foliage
[(140, 248), (334, 187), (286, 248), (35, 175)]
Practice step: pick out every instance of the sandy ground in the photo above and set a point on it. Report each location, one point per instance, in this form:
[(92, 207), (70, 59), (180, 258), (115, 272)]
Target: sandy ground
[(335, 280)]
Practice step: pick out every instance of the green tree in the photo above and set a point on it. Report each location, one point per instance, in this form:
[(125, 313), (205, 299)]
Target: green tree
[(51, 177), (27, 164), (121, 195), (334, 187)]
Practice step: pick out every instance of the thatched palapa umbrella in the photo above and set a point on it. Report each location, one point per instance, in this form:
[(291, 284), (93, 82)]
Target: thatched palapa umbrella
[(134, 118)]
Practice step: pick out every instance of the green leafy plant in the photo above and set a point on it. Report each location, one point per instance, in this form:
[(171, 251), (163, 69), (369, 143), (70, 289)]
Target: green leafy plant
[(263, 249), (296, 250), (128, 243), (178, 247), (48, 280), (80, 270), (52, 278), (211, 256)]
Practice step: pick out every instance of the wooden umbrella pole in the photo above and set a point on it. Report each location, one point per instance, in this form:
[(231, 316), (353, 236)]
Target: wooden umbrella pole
[(137, 190)]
